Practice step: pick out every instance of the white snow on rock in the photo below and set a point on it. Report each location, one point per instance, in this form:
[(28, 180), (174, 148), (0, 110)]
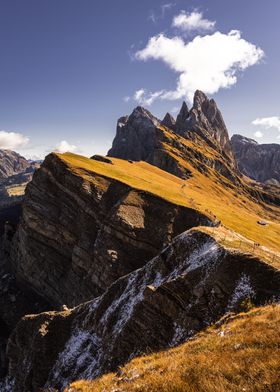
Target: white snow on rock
[(84, 352), (81, 353), (242, 291)]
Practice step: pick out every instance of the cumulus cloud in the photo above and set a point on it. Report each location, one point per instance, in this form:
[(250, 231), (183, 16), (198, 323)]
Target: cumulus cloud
[(258, 134), (64, 146), (207, 63), (268, 122), (192, 21), (12, 140)]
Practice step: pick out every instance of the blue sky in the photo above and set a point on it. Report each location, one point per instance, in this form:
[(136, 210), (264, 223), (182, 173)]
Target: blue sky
[(68, 67)]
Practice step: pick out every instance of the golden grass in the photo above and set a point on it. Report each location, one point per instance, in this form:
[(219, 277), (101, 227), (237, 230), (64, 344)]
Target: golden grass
[(243, 354), (237, 211), (16, 190), (234, 241)]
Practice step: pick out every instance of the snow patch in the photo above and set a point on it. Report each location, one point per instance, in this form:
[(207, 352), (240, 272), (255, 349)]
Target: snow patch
[(80, 357), (205, 255), (242, 291)]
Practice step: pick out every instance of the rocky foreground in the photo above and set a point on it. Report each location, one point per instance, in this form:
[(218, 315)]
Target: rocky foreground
[(135, 252)]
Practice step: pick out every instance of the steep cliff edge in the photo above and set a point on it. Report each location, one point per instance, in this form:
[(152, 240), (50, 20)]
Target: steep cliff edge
[(85, 223), (188, 286), (258, 161)]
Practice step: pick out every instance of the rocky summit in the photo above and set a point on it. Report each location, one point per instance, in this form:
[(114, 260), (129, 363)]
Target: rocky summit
[(141, 251), (136, 136)]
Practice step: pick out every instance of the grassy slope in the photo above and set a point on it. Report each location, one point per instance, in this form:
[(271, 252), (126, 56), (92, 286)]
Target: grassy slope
[(240, 355), (236, 211)]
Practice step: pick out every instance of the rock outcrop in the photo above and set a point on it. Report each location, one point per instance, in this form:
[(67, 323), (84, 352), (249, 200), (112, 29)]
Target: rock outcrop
[(258, 161), (181, 124), (168, 121), (80, 230), (205, 117), (135, 137), (141, 136), (189, 285)]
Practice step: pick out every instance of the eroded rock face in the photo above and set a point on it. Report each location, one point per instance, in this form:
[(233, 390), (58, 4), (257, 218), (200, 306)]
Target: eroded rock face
[(76, 236), (258, 161), (135, 138), (139, 136), (168, 121), (190, 284), (205, 115)]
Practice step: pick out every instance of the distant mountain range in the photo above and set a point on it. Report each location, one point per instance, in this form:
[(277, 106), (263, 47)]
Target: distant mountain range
[(258, 161), (15, 173)]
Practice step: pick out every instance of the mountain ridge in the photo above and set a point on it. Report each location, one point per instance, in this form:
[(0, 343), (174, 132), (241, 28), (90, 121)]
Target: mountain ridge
[(140, 253)]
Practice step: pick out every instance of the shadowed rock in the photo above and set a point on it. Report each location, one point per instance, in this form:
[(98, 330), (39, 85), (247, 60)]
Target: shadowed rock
[(189, 285), (168, 121)]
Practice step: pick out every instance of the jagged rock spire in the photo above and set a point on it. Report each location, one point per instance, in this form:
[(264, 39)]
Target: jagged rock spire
[(181, 120), (168, 121)]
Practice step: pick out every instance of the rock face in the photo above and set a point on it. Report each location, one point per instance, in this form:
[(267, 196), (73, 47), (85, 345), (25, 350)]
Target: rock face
[(190, 284), (206, 117), (181, 124), (168, 121), (258, 161), (135, 138), (16, 300), (79, 233), (140, 136)]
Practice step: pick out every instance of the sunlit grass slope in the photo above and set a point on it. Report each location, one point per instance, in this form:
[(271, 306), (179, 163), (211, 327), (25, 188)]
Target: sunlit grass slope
[(233, 207), (242, 354)]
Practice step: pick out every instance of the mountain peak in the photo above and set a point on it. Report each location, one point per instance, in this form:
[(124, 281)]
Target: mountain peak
[(142, 114), (199, 97), (168, 121), (181, 120), (243, 139)]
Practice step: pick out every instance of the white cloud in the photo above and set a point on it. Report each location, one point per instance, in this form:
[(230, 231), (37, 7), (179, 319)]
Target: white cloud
[(64, 146), (146, 98), (12, 140), (207, 63), (192, 21), (268, 122), (258, 134)]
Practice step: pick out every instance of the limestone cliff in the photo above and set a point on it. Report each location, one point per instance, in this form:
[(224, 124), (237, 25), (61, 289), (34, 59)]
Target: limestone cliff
[(81, 230)]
